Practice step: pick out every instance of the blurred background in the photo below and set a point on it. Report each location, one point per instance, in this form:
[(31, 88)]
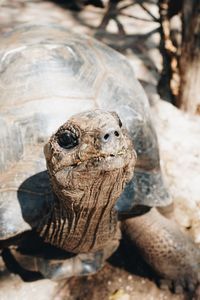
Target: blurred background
[(161, 39)]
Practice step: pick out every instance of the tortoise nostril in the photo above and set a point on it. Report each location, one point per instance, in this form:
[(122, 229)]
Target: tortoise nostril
[(116, 133), (106, 136), (112, 133)]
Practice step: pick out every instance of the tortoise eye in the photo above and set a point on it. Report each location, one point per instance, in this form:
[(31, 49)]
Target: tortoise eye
[(67, 140)]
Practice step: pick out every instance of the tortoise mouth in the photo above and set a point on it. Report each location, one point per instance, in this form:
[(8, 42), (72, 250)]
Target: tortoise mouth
[(104, 162)]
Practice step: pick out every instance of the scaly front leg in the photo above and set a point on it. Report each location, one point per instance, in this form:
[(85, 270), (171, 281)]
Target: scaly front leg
[(171, 253)]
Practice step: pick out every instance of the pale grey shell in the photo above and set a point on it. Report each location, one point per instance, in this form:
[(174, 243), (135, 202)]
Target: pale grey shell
[(47, 74)]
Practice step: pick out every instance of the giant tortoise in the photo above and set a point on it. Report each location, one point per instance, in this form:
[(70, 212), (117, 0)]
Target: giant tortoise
[(88, 196)]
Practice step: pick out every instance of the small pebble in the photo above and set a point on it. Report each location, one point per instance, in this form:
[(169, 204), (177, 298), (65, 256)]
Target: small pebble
[(129, 288), (119, 295)]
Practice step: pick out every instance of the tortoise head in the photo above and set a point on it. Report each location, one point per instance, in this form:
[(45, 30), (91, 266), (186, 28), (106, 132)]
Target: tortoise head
[(90, 156)]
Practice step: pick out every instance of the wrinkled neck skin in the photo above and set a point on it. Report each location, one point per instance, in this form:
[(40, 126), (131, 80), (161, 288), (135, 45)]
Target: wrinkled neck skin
[(89, 160), (83, 218)]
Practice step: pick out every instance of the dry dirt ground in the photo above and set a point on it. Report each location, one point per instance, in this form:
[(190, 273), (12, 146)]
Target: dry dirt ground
[(133, 30)]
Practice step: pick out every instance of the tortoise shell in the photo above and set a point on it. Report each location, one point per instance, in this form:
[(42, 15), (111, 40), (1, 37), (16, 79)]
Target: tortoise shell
[(47, 74)]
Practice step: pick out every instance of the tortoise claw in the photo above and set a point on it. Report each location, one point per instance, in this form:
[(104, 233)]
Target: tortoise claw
[(165, 284), (178, 286), (189, 282)]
